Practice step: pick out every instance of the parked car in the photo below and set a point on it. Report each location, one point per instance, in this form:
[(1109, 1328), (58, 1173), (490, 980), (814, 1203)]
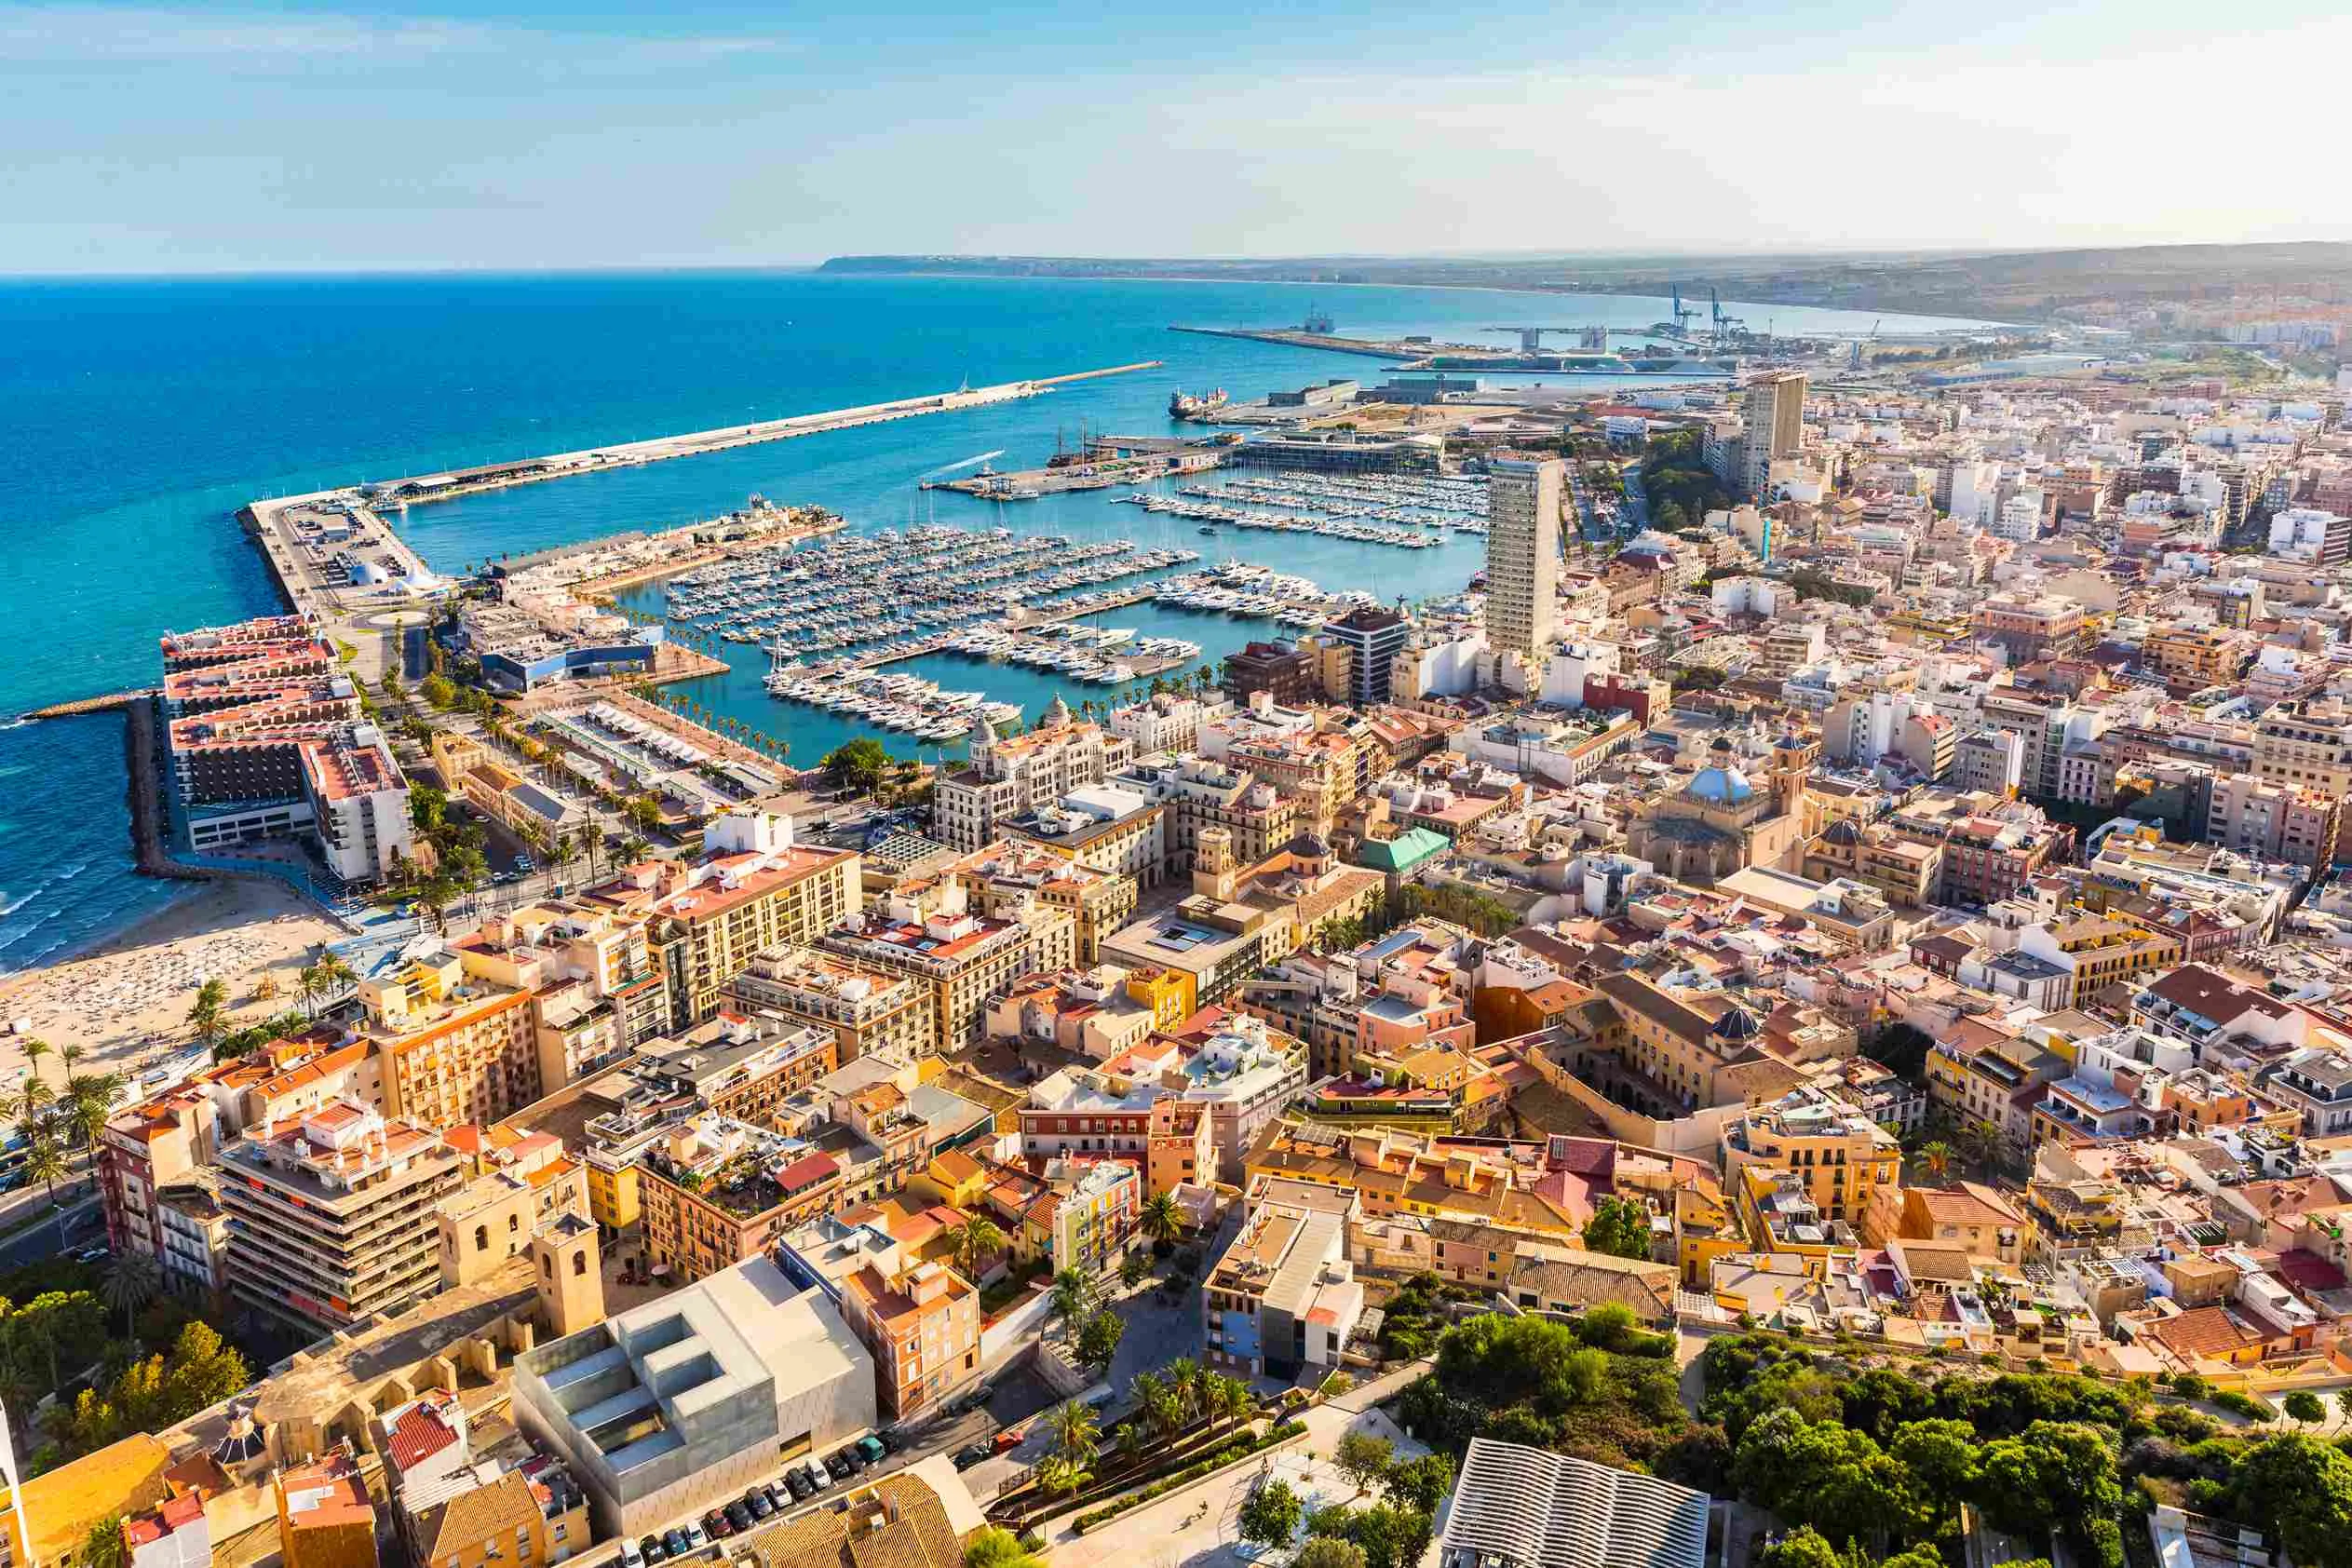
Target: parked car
[(696, 1538), (650, 1550), (837, 1465), (632, 1555), (716, 1523), (679, 1543), (972, 1453), (854, 1456), (871, 1449), (819, 1476), (738, 1515), (892, 1442), (1005, 1440), (802, 1490)]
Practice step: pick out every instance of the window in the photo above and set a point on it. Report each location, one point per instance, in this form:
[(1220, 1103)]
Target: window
[(579, 1264), (481, 1238)]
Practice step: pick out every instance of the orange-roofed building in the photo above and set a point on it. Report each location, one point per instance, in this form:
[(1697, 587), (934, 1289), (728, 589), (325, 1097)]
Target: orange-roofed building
[(61, 1505), (923, 1327), (324, 1517)]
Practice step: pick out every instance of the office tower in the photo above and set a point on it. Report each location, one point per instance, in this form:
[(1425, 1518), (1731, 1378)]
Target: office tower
[(1522, 553)]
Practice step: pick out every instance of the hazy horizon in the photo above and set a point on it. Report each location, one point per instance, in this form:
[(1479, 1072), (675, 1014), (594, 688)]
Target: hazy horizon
[(302, 137)]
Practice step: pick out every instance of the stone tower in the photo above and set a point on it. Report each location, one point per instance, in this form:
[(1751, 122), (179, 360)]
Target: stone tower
[(564, 1265), (1213, 863)]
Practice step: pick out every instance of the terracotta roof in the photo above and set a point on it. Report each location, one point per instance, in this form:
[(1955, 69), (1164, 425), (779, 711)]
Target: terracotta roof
[(487, 1513), (2204, 1330), (421, 1432)]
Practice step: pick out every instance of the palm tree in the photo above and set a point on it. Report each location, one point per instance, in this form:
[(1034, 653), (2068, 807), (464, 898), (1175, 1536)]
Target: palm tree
[(1937, 1158), (208, 1014), (333, 973), (1157, 1405), (35, 1049), (1183, 1382), (88, 1102), (307, 986), (1073, 1294), (1227, 1399), (130, 1284), (70, 1054), (976, 1241), (1160, 1219), (1057, 1473), (1076, 1431), (44, 1164)]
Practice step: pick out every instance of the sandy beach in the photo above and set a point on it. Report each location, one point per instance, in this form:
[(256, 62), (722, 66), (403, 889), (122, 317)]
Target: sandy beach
[(132, 995)]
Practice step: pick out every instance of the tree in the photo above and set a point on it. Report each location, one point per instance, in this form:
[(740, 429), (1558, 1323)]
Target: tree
[(1620, 1227), (1134, 1268), (1324, 1552), (2053, 1475), (1821, 1474), (1059, 1472), (1076, 1431), (2305, 1408), (1155, 1404), (1942, 1459), (102, 1548), (2301, 1488), (1937, 1157), (207, 1015), (438, 691), (45, 1164), (1364, 1459), (130, 1284), (1073, 1295), (1420, 1484), (1099, 1340), (1270, 1517), (859, 764), (1160, 1219), (976, 1241), (1185, 1382), (995, 1547), (1803, 1548)]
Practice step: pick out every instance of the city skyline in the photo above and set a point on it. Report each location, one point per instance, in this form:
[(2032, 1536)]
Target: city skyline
[(308, 137)]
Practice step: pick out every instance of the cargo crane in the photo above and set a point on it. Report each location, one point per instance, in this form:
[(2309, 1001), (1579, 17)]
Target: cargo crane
[(1724, 324)]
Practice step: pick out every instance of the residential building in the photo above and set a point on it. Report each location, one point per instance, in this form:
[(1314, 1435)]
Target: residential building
[(1281, 670), (705, 924), (2306, 744), (663, 1409), (869, 1012), (454, 1046), (47, 1520), (1012, 777), (963, 959), (1774, 419), (1094, 1209), (325, 1519), (477, 1520), (330, 1218), (715, 1192), (921, 1326), (1844, 1157), (1367, 639), (1283, 1299), (1522, 553)]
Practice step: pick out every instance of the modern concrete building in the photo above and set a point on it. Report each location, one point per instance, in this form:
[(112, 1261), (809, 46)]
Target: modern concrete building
[(663, 1409), (1516, 1507), (1284, 1297), (1369, 637), (1522, 553)]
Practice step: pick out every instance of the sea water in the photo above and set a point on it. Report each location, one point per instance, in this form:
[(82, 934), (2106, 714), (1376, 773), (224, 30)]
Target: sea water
[(138, 414)]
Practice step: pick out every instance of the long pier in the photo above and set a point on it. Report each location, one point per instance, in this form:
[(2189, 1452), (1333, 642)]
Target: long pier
[(1372, 347)]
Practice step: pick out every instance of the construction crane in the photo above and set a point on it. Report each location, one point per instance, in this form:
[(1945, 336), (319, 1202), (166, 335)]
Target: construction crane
[(1683, 313)]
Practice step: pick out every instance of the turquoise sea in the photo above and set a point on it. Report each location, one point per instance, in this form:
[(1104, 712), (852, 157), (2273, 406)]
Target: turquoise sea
[(138, 414)]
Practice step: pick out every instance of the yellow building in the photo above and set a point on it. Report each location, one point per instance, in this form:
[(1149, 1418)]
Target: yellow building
[(1842, 1156), (498, 1523), (454, 1048), (61, 1505)]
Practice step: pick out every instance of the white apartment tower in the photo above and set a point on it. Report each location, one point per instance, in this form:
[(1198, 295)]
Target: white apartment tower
[(1522, 553)]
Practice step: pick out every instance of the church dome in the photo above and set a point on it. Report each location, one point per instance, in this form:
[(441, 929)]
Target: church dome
[(1723, 745), (1056, 711), (1843, 831), (1737, 1024), (1723, 786), (1308, 846)]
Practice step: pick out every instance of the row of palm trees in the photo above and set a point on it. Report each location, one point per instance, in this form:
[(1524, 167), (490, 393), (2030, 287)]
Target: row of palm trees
[(52, 1118), (1165, 1404)]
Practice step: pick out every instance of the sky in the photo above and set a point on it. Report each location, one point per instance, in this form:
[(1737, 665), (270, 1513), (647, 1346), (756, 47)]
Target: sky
[(316, 137)]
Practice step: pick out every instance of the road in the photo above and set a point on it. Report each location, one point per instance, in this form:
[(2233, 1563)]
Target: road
[(84, 1225)]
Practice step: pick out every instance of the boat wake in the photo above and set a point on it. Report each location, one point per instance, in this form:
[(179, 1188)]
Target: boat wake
[(966, 464)]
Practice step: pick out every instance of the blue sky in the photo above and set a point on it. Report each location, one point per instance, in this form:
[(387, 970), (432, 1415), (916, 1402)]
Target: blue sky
[(318, 136)]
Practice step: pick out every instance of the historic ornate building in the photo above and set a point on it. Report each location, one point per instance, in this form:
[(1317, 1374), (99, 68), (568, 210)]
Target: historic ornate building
[(1723, 821)]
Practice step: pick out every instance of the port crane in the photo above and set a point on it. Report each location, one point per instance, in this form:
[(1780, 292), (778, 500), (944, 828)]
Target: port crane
[(1723, 323)]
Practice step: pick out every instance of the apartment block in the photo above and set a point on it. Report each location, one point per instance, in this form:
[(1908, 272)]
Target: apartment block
[(1522, 553), (964, 960), (868, 1012), (921, 1326), (715, 1192), (454, 1047), (1012, 777), (1283, 1298), (332, 1218)]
